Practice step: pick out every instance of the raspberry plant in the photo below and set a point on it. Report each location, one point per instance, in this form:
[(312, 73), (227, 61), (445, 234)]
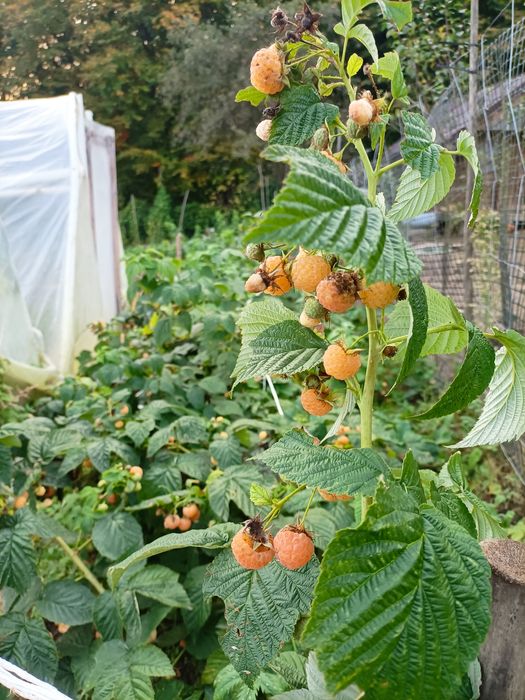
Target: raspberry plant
[(400, 604)]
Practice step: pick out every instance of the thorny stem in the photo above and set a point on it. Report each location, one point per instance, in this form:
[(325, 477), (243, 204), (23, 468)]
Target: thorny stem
[(77, 561)]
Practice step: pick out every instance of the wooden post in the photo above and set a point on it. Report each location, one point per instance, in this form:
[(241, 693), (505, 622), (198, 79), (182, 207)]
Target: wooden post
[(468, 248), (502, 656)]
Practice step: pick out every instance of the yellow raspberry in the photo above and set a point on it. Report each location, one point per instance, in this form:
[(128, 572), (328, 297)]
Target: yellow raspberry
[(252, 546), (308, 270), (313, 403), (340, 363), (379, 295), (266, 70), (263, 129), (338, 291), (294, 547), (278, 281)]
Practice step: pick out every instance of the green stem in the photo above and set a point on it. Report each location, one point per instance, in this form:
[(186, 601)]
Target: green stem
[(366, 406), (436, 329), (277, 507), (308, 506), (388, 167), (77, 561)]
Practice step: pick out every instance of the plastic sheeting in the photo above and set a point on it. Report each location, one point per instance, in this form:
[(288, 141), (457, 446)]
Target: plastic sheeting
[(60, 243)]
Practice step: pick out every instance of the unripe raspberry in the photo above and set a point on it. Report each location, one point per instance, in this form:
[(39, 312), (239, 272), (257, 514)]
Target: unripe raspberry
[(191, 511), (342, 167), (308, 270), (279, 282), (314, 309), (320, 139), (255, 251), (263, 435), (338, 292), (263, 129), (40, 491), (124, 410), (136, 473), (340, 363), (255, 284), (379, 295), (62, 628), (327, 496), (294, 547), (313, 402), (171, 522), (252, 546), (354, 131), (342, 441), (266, 70), (20, 501), (184, 524), (119, 424), (308, 322), (361, 111)]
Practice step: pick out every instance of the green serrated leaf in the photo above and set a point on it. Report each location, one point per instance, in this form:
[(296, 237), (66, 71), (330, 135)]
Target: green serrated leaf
[(402, 604), (27, 643), (411, 480), (418, 147), (466, 145), (417, 329), (362, 33), (17, 557), (446, 331), (158, 583), (354, 65), (262, 608), (397, 11), (454, 508), (389, 67), (66, 601), (233, 485), (195, 618), (415, 195), (260, 495), (301, 114), (284, 348), (251, 95), (335, 216), (117, 534), (227, 451), (471, 380), (214, 537), (339, 471), (107, 618), (503, 416)]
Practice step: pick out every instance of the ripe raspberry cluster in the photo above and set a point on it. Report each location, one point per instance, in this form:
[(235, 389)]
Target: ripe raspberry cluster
[(329, 289), (190, 514), (254, 547)]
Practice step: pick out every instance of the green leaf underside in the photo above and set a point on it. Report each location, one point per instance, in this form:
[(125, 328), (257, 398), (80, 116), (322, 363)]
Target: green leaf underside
[(416, 195), (402, 603), (441, 312), (255, 318), (417, 332), (214, 537), (251, 95), (471, 380), (284, 348), (503, 416), (466, 145), (261, 608), (418, 147), (301, 114), (320, 208), (397, 11), (361, 33), (296, 458)]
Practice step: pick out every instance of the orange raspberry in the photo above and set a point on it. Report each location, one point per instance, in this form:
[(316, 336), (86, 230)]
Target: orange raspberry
[(313, 402), (191, 511), (266, 70), (342, 441), (342, 167), (171, 522), (308, 270), (294, 546), (340, 363), (278, 281), (136, 473), (252, 546), (20, 501), (333, 496), (379, 295), (338, 291), (184, 524), (255, 283), (361, 111), (119, 424)]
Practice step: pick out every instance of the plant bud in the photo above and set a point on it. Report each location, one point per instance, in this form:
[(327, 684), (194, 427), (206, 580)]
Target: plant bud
[(313, 309), (320, 140), (255, 251)]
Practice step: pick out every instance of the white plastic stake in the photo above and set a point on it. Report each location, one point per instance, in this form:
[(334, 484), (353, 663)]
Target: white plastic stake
[(25, 685)]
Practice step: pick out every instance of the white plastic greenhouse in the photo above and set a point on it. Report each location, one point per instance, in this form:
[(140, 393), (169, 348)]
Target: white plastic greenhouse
[(60, 243)]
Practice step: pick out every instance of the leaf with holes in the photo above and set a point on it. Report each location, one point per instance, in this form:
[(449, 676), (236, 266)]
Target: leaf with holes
[(466, 145), (335, 216), (418, 147), (503, 416), (262, 608), (285, 348), (301, 114), (415, 195), (402, 604), (296, 458), (471, 380)]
